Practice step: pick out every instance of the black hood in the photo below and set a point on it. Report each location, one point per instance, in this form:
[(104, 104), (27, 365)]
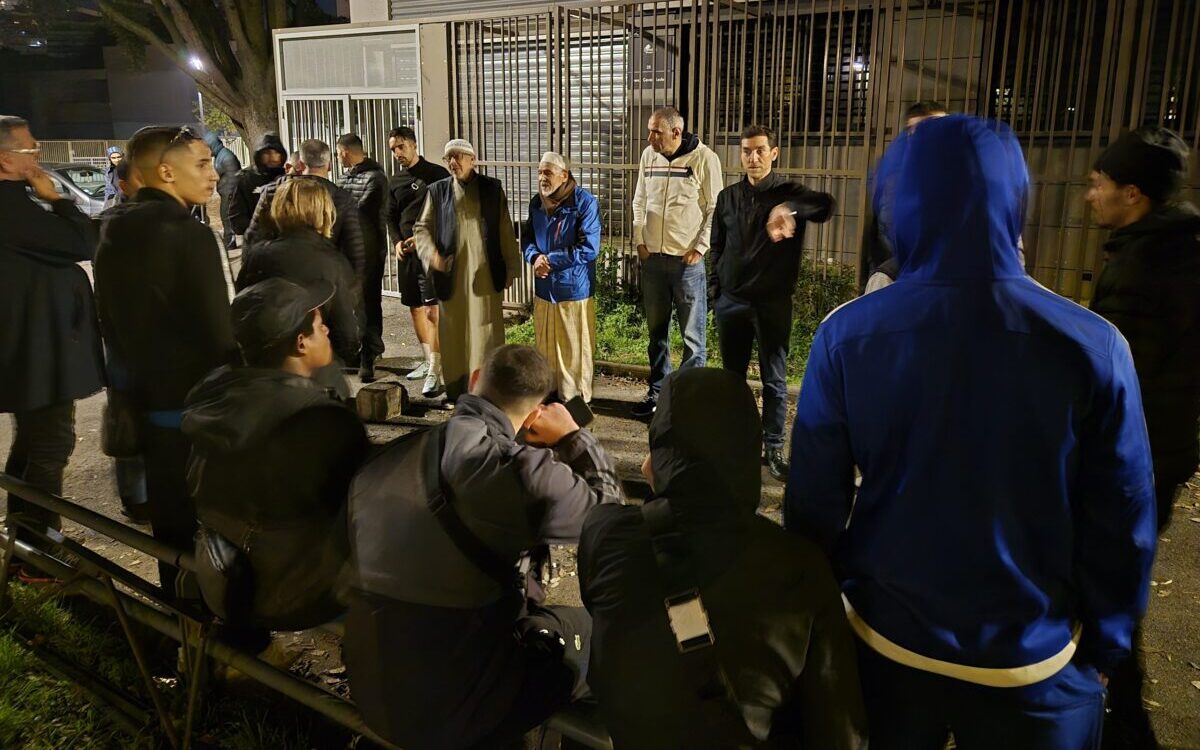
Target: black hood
[(705, 440), (269, 142), (1168, 219), (235, 407), (689, 143)]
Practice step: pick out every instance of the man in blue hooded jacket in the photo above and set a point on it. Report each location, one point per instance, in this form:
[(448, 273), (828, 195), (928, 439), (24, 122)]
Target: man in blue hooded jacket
[(561, 242), (1000, 545)]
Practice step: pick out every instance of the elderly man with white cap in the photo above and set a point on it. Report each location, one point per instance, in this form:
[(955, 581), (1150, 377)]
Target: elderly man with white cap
[(466, 243), (561, 243)]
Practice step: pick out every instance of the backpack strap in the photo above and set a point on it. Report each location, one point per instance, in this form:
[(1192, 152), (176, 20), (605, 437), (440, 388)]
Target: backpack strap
[(441, 505)]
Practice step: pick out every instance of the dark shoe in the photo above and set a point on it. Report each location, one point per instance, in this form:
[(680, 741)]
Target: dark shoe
[(777, 464), (366, 371), (645, 408), (137, 514)]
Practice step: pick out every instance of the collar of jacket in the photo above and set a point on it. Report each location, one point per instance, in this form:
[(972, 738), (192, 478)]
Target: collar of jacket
[(149, 194), (366, 165), (1165, 220), (470, 405), (687, 144), (766, 183)]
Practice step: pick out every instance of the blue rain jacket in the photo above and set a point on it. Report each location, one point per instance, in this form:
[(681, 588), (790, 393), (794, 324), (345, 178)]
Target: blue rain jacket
[(1007, 501), (570, 240)]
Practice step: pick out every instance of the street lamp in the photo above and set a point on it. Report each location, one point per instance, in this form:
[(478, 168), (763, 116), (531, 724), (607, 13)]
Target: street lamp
[(197, 64)]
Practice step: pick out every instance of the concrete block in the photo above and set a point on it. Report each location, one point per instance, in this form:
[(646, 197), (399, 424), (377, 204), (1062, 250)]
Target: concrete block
[(379, 402)]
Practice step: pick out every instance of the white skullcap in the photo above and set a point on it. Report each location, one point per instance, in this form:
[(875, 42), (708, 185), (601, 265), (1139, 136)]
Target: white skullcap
[(555, 160), (459, 145)]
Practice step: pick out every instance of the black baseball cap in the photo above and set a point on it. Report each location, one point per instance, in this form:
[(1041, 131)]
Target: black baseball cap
[(272, 311)]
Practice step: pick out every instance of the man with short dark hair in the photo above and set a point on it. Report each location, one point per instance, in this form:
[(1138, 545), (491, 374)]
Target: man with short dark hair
[(164, 311), (406, 196), (347, 230), (1150, 290), (443, 647), (673, 204), (754, 271), (921, 111), (365, 179), (49, 342), (272, 457)]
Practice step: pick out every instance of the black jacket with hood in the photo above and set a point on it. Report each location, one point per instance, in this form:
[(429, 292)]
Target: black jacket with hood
[(780, 632), (367, 182), (49, 341), (272, 457), (1150, 290), (430, 643), (346, 234), (162, 299), (251, 181), (305, 257), (745, 263)]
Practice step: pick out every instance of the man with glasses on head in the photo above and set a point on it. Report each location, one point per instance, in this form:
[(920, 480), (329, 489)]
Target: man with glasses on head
[(164, 312), (49, 344), (406, 195), (467, 245)]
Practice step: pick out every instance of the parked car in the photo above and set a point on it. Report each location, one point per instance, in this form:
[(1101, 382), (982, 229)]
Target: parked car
[(81, 183)]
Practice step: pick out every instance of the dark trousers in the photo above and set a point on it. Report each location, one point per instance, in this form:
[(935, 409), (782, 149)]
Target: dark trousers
[(768, 321), (172, 513), (372, 340), (43, 440), (908, 709), (1127, 725)]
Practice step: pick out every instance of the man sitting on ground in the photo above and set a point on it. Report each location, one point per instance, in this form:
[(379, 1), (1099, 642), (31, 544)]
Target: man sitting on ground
[(780, 636), (443, 648), (273, 454)]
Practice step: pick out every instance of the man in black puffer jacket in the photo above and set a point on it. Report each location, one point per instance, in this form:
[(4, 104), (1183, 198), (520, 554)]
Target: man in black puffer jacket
[(367, 182), (269, 157), (347, 230), (1150, 289)]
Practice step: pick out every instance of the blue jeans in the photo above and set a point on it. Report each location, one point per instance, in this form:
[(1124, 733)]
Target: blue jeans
[(908, 709), (666, 279)]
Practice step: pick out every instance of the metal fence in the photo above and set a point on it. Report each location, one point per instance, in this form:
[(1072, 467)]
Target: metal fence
[(833, 79), (92, 152)]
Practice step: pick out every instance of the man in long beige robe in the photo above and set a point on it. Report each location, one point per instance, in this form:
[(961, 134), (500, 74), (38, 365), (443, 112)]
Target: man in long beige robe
[(466, 242)]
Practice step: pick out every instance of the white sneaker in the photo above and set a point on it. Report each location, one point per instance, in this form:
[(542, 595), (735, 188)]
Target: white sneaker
[(421, 371), (433, 383)]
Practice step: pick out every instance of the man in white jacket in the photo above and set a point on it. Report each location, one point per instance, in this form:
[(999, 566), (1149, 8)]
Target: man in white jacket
[(678, 181)]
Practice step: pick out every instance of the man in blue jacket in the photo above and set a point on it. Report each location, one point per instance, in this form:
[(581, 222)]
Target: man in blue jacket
[(562, 240), (999, 550)]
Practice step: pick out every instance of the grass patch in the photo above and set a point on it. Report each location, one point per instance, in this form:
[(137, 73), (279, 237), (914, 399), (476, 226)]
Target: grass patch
[(621, 324), (39, 711)]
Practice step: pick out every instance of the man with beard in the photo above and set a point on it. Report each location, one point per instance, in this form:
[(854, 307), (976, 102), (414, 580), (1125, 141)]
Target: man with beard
[(562, 242)]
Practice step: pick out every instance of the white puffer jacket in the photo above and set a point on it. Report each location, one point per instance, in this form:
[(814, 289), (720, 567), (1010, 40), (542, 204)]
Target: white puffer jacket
[(675, 198)]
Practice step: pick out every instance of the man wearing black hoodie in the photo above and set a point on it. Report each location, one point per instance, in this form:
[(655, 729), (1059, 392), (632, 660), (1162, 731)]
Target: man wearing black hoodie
[(777, 636), (754, 276), (227, 165), (367, 182), (273, 454), (269, 157), (1150, 290), (164, 311)]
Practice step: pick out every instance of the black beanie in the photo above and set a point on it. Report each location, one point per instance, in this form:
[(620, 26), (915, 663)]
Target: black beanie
[(1153, 158)]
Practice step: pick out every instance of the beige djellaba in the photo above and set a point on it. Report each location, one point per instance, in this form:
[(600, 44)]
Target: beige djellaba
[(471, 322)]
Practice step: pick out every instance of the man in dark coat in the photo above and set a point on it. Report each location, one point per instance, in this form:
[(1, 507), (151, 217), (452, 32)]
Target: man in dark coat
[(248, 185), (347, 232), (272, 459), (49, 344), (780, 635), (367, 182), (406, 197), (753, 275), (164, 311), (1150, 289), (112, 191), (227, 165), (441, 652)]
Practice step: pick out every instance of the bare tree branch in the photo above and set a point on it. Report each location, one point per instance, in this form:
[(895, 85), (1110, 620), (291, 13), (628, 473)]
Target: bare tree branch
[(167, 22)]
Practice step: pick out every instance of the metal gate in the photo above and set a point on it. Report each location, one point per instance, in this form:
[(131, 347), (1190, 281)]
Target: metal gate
[(833, 79)]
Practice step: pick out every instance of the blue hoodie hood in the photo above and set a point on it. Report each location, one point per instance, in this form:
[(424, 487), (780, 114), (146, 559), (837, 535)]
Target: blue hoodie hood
[(954, 195)]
